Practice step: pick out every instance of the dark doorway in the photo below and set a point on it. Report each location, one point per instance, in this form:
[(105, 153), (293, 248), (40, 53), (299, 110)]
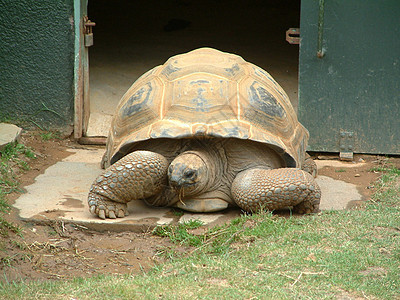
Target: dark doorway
[(132, 37)]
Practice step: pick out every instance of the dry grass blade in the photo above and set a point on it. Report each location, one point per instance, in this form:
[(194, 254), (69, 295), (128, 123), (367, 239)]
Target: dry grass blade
[(304, 273), (48, 247), (215, 235)]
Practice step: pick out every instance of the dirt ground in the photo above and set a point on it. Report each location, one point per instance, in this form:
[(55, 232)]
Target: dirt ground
[(59, 251)]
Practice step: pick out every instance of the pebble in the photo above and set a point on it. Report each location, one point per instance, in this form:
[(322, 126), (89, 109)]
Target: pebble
[(357, 175)]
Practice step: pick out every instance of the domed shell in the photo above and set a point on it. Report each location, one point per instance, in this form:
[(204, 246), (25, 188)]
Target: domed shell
[(207, 93)]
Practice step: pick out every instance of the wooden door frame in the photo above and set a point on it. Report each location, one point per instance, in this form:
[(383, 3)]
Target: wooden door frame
[(81, 71)]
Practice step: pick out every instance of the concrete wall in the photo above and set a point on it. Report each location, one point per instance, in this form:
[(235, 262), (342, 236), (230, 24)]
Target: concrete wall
[(37, 63)]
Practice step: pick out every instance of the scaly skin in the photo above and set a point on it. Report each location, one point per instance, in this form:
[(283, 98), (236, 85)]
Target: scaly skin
[(256, 189), (310, 166), (144, 175), (138, 175)]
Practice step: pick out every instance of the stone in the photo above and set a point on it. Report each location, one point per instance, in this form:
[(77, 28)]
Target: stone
[(9, 133)]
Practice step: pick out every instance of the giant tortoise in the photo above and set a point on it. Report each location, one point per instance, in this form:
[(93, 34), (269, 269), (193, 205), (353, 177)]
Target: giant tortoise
[(202, 132)]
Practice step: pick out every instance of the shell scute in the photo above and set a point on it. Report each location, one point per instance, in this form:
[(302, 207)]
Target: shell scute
[(264, 102), (197, 95), (139, 101)]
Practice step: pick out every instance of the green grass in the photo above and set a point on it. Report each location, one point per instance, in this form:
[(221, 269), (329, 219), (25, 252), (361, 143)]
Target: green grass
[(352, 253), (13, 157), (50, 135), (180, 234)]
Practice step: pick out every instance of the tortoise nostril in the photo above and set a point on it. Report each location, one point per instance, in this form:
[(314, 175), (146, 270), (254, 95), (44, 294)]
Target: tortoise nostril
[(175, 180)]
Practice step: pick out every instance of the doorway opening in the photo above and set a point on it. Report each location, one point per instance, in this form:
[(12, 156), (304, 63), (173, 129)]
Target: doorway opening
[(131, 37)]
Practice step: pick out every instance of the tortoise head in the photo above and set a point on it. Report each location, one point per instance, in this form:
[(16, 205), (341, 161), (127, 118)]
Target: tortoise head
[(188, 173)]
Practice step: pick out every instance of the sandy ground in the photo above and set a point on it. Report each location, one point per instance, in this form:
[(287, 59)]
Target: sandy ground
[(58, 251)]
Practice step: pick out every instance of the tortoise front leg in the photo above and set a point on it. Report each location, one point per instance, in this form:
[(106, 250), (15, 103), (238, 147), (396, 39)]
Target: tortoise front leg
[(138, 175), (256, 189)]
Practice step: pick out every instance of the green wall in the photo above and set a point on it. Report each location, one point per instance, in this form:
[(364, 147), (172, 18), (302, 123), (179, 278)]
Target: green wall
[(355, 86), (37, 63)]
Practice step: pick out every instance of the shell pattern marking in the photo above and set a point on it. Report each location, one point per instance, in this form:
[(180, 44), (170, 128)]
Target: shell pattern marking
[(200, 94), (265, 102), (138, 101), (235, 69), (262, 74), (169, 69), (200, 103)]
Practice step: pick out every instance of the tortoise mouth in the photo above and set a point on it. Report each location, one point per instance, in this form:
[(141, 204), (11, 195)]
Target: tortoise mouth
[(183, 188), (177, 182)]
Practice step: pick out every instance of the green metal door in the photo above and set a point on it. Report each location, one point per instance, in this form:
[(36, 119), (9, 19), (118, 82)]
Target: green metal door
[(349, 75)]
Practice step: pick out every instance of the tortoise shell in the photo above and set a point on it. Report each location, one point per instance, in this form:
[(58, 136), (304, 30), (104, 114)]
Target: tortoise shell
[(211, 94)]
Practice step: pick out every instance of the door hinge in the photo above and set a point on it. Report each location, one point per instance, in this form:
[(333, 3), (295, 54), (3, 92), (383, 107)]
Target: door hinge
[(88, 31), (293, 36), (346, 145)]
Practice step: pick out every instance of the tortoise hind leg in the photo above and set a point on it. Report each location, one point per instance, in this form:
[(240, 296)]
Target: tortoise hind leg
[(309, 165), (138, 175), (256, 189)]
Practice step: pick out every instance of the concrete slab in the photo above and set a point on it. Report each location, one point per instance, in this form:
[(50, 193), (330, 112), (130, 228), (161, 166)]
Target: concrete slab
[(60, 194), (338, 164), (336, 194), (9, 133), (99, 124)]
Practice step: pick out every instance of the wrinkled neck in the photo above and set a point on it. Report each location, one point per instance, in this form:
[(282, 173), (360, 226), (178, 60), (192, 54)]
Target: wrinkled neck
[(211, 161)]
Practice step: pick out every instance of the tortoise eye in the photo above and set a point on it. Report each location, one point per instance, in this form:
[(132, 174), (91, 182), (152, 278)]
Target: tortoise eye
[(189, 173)]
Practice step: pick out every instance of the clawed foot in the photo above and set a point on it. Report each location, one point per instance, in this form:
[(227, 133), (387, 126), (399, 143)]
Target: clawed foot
[(309, 206), (138, 175), (107, 209)]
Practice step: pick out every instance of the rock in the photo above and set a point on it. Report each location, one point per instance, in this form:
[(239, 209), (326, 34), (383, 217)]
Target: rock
[(357, 175), (8, 133)]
